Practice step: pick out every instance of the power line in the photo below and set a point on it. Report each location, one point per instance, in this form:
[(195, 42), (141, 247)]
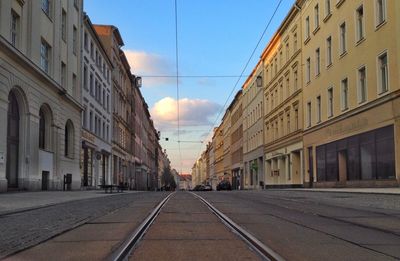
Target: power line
[(192, 76), (247, 64), (177, 81)]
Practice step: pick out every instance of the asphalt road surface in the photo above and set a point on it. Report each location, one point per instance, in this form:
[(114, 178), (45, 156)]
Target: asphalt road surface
[(298, 225), (317, 225)]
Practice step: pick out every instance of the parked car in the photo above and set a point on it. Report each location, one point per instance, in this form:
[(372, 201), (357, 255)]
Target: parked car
[(199, 188), (207, 188), (224, 185)]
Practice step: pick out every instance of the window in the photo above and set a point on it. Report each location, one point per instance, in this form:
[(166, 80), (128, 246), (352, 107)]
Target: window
[(383, 73), (295, 76), (295, 42), (63, 75), (316, 16), (69, 139), (317, 62), (76, 4), (307, 30), (360, 23), (91, 83), (14, 28), (74, 85), (380, 12), (104, 98), (46, 6), (287, 86), (288, 123), (108, 103), (287, 52), (345, 94), (84, 118), (85, 77), (329, 51), (318, 109), (91, 121), (75, 40), (64, 25), (343, 38), (309, 114), (85, 41), (45, 56), (296, 119), (362, 85), (330, 102), (42, 130), (308, 70), (327, 7), (91, 50)]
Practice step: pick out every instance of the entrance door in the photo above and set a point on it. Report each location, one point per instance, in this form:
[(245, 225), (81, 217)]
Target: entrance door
[(342, 160), (12, 141), (311, 165), (45, 180)]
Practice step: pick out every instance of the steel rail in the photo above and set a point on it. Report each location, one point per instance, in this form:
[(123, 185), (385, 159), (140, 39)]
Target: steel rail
[(264, 251), (122, 253)]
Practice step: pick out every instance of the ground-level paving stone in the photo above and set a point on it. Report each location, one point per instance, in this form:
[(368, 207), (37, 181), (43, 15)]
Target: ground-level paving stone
[(22, 230), (186, 229)]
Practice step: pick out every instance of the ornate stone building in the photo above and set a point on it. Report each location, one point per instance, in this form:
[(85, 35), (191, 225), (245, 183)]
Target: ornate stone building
[(40, 94)]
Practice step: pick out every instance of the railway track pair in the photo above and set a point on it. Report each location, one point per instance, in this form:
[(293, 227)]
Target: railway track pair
[(129, 245)]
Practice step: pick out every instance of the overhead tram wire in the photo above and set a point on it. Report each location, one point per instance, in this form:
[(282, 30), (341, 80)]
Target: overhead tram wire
[(192, 76), (245, 67), (177, 82)]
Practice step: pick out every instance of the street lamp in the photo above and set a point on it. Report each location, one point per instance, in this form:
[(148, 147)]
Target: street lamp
[(259, 81)]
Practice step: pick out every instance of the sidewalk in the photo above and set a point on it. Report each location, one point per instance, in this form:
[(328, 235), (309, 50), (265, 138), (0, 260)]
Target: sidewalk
[(387, 191), (20, 201)]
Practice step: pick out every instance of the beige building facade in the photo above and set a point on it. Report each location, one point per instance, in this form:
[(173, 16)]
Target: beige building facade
[(236, 139), (283, 105), (253, 129), (40, 94), (350, 51), (226, 130)]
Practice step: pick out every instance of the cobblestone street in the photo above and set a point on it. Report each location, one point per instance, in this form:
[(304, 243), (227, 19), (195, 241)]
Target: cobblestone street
[(22, 230)]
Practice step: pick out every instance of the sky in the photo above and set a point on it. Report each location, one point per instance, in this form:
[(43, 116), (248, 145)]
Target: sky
[(215, 38)]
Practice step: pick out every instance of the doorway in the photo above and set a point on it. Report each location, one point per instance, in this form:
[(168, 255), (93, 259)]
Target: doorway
[(13, 122), (45, 180), (342, 161)]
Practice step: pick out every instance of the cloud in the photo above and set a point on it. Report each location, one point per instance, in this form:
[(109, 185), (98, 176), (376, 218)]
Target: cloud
[(144, 63), (193, 112)]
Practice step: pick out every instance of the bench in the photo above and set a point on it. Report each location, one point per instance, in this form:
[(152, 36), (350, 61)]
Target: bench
[(119, 188)]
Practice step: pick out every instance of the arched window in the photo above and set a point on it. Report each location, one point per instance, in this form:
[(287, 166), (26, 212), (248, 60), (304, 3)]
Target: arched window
[(45, 127), (69, 139), (42, 130)]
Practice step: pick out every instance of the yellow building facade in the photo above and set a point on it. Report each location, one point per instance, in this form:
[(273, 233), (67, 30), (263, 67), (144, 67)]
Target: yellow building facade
[(253, 129), (283, 105), (351, 96)]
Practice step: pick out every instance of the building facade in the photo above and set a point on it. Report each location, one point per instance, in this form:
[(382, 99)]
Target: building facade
[(226, 130), (95, 156), (253, 130), (283, 108), (236, 140), (218, 140), (351, 92), (122, 86), (40, 94)]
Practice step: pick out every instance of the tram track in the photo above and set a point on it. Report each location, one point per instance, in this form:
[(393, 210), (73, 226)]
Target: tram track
[(133, 242), (123, 252)]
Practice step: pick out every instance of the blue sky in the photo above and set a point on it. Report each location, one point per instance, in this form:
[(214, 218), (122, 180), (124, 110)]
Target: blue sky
[(215, 37)]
